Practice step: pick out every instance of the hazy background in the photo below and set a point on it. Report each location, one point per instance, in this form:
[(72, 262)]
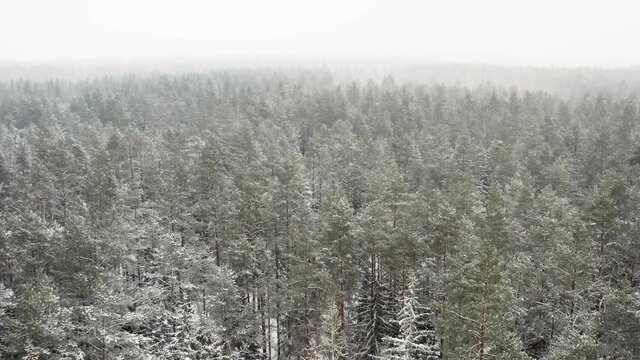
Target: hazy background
[(542, 32)]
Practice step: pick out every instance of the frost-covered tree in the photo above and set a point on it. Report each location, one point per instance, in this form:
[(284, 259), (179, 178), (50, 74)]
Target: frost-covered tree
[(279, 213), (417, 338)]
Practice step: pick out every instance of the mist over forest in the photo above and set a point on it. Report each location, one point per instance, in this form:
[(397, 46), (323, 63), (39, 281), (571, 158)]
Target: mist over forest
[(344, 209), (562, 81)]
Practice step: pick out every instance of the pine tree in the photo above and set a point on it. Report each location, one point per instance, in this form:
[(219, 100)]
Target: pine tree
[(480, 307), (42, 326), (5, 181), (101, 191), (339, 253), (7, 305)]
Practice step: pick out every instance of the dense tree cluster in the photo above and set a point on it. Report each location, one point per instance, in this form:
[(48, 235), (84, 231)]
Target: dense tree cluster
[(263, 214)]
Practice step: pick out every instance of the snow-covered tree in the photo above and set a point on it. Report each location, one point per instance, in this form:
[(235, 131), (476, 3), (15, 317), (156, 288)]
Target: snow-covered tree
[(417, 338)]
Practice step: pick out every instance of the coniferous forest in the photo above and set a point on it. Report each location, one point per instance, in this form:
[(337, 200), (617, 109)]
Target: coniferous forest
[(293, 214)]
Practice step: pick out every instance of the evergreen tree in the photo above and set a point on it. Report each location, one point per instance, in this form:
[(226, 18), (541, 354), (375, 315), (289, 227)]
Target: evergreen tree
[(276, 214), (42, 326), (417, 338)]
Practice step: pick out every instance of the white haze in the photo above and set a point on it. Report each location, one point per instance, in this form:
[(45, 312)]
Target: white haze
[(543, 32)]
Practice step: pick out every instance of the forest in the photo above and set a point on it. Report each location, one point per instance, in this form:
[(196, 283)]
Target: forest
[(272, 213)]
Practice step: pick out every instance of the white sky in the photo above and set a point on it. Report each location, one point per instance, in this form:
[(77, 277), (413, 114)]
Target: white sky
[(542, 32)]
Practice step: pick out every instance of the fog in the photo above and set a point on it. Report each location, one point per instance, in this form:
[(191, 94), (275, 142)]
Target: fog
[(328, 179), (541, 33)]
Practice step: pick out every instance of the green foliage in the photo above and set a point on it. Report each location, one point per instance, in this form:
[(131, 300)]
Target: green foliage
[(276, 214)]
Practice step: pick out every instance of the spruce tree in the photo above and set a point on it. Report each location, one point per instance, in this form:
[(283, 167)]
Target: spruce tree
[(417, 338)]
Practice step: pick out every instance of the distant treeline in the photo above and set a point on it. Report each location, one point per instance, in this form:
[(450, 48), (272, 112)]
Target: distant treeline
[(566, 82)]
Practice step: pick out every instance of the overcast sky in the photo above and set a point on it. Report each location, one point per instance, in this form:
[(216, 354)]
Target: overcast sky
[(541, 32)]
